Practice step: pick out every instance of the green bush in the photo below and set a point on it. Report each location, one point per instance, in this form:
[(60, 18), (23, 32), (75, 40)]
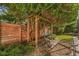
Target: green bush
[(16, 50)]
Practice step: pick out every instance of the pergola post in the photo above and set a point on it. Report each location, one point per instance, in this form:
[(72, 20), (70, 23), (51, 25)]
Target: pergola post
[(28, 30), (36, 34), (36, 31), (78, 24), (51, 29), (44, 30)]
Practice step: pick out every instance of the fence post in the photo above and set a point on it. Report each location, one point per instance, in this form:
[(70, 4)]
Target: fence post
[(73, 47), (0, 32)]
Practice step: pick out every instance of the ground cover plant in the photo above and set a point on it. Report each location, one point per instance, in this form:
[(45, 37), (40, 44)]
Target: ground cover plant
[(16, 50)]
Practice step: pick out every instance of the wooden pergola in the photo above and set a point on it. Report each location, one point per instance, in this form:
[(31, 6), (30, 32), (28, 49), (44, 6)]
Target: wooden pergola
[(37, 27)]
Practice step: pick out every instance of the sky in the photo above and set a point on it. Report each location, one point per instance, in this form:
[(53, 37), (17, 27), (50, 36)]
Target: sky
[(1, 9)]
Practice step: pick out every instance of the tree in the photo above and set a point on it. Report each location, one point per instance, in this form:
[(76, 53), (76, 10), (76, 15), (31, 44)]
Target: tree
[(58, 14)]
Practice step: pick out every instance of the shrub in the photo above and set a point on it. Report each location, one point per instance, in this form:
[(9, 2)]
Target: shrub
[(15, 50)]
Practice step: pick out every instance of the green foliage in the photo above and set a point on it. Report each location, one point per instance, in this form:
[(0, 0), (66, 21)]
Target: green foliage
[(20, 11), (16, 50), (17, 13)]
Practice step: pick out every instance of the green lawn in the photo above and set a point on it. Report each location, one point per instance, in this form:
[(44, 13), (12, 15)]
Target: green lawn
[(64, 37)]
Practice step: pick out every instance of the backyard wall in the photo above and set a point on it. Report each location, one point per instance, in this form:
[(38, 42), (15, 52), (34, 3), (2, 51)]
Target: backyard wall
[(11, 33)]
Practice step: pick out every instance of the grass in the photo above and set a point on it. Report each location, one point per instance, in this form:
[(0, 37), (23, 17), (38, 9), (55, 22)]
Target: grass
[(16, 50), (64, 37)]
